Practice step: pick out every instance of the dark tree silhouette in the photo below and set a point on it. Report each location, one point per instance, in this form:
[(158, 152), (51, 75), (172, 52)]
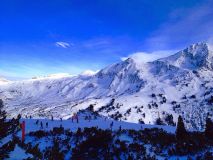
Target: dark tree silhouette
[(3, 123), (159, 121), (209, 128), (91, 108), (7, 126), (181, 132), (169, 120)]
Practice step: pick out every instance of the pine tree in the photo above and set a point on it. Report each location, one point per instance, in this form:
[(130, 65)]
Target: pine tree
[(209, 128), (3, 123), (91, 108), (159, 121), (7, 126), (181, 133), (169, 120)]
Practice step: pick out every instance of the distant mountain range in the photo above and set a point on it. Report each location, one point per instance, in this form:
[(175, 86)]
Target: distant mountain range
[(181, 84)]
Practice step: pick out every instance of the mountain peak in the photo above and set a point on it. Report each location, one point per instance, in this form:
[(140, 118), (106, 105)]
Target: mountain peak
[(125, 90), (129, 60), (197, 48), (199, 45), (195, 56)]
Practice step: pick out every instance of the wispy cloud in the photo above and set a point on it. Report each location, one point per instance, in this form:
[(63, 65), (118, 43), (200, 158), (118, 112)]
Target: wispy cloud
[(63, 44), (184, 26), (97, 43), (89, 72), (142, 57)]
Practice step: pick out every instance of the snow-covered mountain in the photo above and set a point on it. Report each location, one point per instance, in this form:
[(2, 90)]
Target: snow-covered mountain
[(181, 84)]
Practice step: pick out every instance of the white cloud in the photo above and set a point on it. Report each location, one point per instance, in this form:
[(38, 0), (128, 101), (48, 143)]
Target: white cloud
[(89, 72), (63, 44), (142, 57)]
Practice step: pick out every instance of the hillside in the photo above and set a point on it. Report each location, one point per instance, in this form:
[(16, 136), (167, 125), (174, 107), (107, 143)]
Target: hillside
[(180, 84), (97, 137)]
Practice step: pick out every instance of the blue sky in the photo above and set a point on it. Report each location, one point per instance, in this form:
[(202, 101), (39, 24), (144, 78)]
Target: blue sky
[(40, 37)]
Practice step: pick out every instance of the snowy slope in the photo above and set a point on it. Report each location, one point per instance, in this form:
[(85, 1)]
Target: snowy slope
[(181, 84), (43, 137), (99, 122)]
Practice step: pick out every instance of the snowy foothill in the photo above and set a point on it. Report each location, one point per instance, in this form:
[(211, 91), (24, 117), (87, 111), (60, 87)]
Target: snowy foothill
[(94, 135)]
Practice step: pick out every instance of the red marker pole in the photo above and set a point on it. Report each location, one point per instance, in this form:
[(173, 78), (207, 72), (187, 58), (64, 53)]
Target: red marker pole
[(23, 131)]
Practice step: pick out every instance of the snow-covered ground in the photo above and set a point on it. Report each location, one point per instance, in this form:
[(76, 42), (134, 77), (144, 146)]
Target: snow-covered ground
[(128, 134), (99, 122), (18, 154), (176, 85)]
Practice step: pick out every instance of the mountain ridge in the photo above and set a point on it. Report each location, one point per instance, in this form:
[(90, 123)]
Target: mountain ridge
[(125, 90)]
